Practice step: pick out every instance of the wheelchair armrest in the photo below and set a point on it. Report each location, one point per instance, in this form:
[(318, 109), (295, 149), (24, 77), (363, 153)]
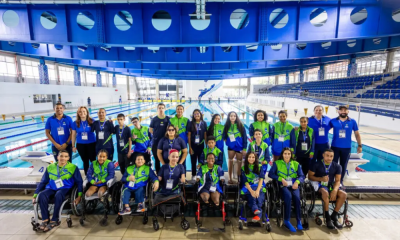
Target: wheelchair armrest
[(111, 182), (85, 182)]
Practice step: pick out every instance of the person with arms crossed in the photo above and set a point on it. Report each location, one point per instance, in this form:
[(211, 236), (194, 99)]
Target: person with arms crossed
[(104, 130), (181, 123), (320, 124), (158, 128), (124, 143), (141, 140)]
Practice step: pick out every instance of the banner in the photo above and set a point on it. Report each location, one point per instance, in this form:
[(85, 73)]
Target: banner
[(140, 118), (326, 109), (285, 111), (4, 117), (33, 118), (305, 111), (358, 108), (42, 118), (23, 118), (337, 108), (13, 118), (243, 113), (222, 115), (274, 112), (295, 112)]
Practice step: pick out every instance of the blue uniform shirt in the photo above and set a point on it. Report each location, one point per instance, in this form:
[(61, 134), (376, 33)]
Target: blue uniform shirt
[(349, 126), (175, 174), (165, 144), (108, 128), (201, 128), (53, 124), (316, 124), (124, 134), (84, 128), (320, 170), (159, 127)]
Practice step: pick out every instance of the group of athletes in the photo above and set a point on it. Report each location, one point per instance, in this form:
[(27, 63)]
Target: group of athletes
[(297, 153)]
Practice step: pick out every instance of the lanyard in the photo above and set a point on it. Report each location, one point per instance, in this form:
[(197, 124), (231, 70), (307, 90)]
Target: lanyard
[(288, 168), (58, 170), (321, 121), (211, 150), (84, 126), (134, 171), (232, 128), (341, 123), (257, 149), (283, 127), (197, 127), (121, 131), (212, 173), (60, 122), (171, 171), (327, 170), (305, 135), (102, 126), (171, 143)]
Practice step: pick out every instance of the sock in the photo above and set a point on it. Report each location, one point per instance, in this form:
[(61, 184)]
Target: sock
[(327, 216), (334, 215)]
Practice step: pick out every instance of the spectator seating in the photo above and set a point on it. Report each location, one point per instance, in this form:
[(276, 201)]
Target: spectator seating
[(389, 90)]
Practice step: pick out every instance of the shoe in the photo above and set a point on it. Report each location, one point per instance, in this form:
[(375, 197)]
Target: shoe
[(255, 219), (140, 208), (337, 224), (126, 211), (193, 178), (289, 226), (299, 226), (330, 225), (256, 212)]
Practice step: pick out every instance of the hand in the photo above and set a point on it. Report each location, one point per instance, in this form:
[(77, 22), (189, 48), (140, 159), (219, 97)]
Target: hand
[(333, 195), (74, 149), (264, 162), (198, 166), (284, 183), (155, 186), (191, 151), (257, 193), (295, 186), (296, 128), (162, 162), (34, 201), (58, 146), (134, 136), (64, 146), (253, 194), (77, 200), (359, 149), (129, 154), (99, 182), (131, 178), (271, 163), (244, 153), (311, 155), (148, 151), (325, 178)]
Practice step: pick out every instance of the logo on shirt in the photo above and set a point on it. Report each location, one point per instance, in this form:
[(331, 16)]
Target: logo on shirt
[(347, 126), (143, 172), (64, 123), (161, 123), (287, 131), (219, 131), (145, 134), (183, 125)]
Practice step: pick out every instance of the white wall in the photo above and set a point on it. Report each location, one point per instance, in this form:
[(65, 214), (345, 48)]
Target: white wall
[(18, 97), (192, 87), (366, 119)]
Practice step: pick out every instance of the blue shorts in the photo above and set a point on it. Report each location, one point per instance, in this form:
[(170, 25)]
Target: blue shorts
[(328, 188)]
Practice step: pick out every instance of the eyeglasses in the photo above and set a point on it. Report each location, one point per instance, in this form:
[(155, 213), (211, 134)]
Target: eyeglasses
[(197, 114), (134, 122), (171, 130)]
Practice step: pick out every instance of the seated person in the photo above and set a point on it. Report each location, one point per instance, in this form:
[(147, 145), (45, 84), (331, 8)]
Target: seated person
[(57, 181), (209, 176), (100, 171), (169, 176), (211, 148), (135, 181), (252, 184), (328, 173), (261, 149), (289, 175)]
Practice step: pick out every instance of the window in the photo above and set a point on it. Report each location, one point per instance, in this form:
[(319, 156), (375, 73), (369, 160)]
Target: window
[(42, 98), (312, 74), (7, 66), (374, 64), (121, 79), (336, 70), (91, 78), (66, 74), (29, 68)]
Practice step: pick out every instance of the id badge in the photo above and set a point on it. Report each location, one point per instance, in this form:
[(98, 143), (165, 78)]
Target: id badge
[(289, 182), (170, 183), (321, 132), (197, 139), (101, 135), (121, 143), (59, 183), (131, 184), (60, 131), (324, 184), (304, 146), (213, 188), (342, 133), (232, 137), (84, 136), (281, 138), (256, 180)]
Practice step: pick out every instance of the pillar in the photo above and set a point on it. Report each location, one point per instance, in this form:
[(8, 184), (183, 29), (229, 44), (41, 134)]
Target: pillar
[(57, 73), (306, 76), (114, 80), (77, 76), (98, 78), (18, 68), (276, 79), (321, 72), (157, 90), (287, 77), (43, 73), (128, 86), (177, 90), (83, 77), (352, 68), (248, 86), (390, 61), (107, 75), (301, 76)]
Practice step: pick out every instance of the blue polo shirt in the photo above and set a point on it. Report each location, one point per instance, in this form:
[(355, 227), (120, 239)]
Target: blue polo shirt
[(165, 172), (83, 128), (159, 126), (108, 128), (53, 123), (316, 124), (320, 170), (165, 144), (200, 129), (124, 134), (349, 126)]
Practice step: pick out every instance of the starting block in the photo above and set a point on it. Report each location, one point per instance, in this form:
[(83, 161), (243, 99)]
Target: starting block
[(354, 161), (39, 161)]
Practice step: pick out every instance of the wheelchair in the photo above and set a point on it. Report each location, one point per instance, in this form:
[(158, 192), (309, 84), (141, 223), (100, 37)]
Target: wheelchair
[(170, 208), (68, 204), (341, 214), (276, 203), (89, 204), (242, 211), (202, 206), (117, 197)]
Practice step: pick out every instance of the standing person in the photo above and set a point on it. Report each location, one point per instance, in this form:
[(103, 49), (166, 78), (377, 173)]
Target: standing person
[(283, 135), (181, 123), (124, 143), (141, 140), (261, 149), (320, 124), (89, 102), (236, 139), (84, 137), (343, 126), (104, 130), (305, 142), (261, 123), (197, 135), (172, 141), (158, 127), (58, 131), (120, 99), (216, 129)]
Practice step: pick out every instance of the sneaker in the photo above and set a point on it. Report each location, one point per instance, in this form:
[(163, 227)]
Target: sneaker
[(330, 225), (256, 212), (193, 178), (299, 226), (126, 211), (289, 226), (140, 208), (256, 219), (337, 224)]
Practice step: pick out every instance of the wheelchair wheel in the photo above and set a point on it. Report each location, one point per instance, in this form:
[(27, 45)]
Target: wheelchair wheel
[(103, 222), (76, 208), (69, 222), (145, 218), (240, 225), (118, 220), (268, 227), (348, 223), (155, 225), (318, 221), (116, 197), (185, 224)]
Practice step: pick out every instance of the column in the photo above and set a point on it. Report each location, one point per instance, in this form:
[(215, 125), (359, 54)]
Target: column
[(18, 68), (177, 90), (107, 79), (157, 90), (306, 76), (57, 73), (276, 79), (77, 76), (114, 81), (352, 68), (98, 78), (390, 60), (321, 72), (301, 76), (248, 86), (287, 77), (83, 77), (128, 87), (43, 73)]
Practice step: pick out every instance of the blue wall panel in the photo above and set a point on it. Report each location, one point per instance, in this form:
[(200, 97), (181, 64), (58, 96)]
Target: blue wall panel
[(76, 33), (172, 56), (21, 31), (246, 55), (375, 44), (270, 54), (41, 34), (65, 52), (87, 54), (111, 55), (196, 56), (129, 55), (14, 47), (222, 56), (288, 32), (41, 50), (294, 52), (344, 48), (320, 51), (386, 23), (149, 56)]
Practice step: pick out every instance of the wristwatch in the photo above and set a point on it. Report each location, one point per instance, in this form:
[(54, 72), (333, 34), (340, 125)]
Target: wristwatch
[(360, 146)]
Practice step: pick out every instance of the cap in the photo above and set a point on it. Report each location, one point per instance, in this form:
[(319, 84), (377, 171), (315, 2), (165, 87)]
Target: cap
[(343, 106)]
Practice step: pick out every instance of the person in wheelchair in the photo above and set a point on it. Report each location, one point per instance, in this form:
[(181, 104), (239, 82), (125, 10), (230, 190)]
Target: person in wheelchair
[(57, 181), (252, 184), (289, 175), (208, 177), (328, 174), (261, 149), (135, 180), (100, 171)]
